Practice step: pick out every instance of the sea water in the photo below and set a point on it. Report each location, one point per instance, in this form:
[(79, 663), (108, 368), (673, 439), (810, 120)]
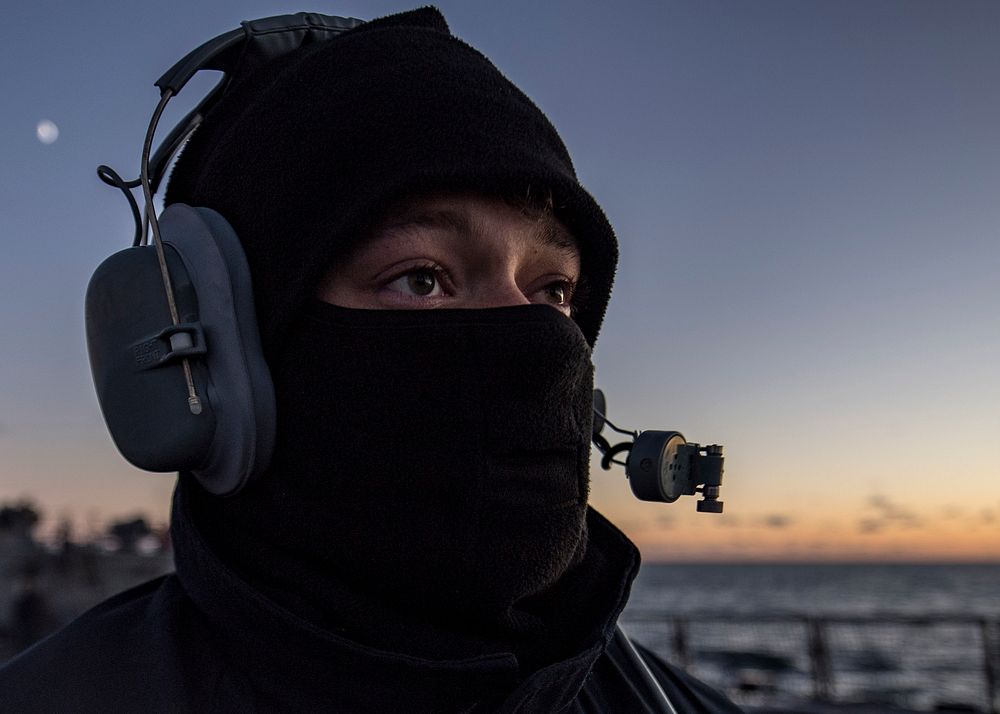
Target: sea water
[(913, 635), (832, 589)]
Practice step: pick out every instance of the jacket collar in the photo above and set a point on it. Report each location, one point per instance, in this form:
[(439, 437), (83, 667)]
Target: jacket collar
[(292, 663)]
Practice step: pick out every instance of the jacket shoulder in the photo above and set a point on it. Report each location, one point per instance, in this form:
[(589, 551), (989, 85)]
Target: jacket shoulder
[(122, 655), (620, 681), (684, 690)]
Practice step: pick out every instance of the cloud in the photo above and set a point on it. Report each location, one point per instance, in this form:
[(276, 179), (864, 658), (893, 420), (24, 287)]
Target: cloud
[(665, 520), (870, 525), (893, 512), (887, 513), (771, 520), (776, 520), (951, 512)]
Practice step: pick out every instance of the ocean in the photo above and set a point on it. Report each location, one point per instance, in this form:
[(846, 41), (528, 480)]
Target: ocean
[(920, 636)]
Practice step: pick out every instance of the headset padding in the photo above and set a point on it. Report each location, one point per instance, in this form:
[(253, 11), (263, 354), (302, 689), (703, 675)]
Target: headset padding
[(240, 388)]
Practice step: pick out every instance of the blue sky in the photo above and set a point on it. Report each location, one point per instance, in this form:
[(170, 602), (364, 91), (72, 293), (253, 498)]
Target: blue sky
[(806, 196)]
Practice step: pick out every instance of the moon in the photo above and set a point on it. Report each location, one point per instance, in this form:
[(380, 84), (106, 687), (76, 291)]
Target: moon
[(47, 131)]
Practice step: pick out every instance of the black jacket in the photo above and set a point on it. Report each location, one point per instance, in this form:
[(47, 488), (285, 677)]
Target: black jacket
[(202, 640)]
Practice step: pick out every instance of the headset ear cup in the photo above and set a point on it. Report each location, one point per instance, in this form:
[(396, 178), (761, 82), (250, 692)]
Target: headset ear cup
[(239, 383), (135, 351)]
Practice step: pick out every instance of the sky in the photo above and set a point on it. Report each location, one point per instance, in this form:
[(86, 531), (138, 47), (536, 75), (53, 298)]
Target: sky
[(807, 198)]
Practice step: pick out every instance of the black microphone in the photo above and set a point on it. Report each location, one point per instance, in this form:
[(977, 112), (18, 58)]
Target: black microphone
[(661, 465)]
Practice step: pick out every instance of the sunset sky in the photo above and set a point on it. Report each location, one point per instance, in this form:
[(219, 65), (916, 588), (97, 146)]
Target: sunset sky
[(807, 197)]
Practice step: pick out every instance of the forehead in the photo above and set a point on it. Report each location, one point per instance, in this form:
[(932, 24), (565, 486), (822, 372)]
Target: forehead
[(476, 216)]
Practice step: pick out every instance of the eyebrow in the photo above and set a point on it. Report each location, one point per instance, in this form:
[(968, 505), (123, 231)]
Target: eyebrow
[(554, 234), (455, 221), (549, 230)]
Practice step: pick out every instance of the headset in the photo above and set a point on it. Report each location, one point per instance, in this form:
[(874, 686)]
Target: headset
[(191, 318), (204, 335)]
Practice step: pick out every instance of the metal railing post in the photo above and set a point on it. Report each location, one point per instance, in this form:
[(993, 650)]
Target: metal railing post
[(819, 659), (681, 648), (989, 666)]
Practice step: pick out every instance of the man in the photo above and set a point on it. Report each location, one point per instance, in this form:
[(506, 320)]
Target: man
[(429, 278)]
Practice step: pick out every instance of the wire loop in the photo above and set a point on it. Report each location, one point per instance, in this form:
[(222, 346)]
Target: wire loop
[(111, 177), (609, 455), (607, 421)]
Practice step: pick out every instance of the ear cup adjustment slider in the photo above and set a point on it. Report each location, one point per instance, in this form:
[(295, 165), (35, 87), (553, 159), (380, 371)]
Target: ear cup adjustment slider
[(186, 339)]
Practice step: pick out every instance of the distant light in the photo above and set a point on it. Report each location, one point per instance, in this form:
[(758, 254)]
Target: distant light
[(47, 131)]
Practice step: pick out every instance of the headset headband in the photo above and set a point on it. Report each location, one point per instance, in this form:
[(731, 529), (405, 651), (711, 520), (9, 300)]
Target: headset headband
[(243, 50)]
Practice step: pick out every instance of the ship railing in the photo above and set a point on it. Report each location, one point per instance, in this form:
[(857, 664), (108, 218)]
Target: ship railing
[(921, 662)]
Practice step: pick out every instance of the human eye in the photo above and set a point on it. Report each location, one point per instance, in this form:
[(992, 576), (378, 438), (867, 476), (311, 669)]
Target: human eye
[(558, 293), (419, 282)]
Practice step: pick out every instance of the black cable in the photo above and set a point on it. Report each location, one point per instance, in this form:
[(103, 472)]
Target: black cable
[(604, 447), (609, 455), (607, 421), (109, 176), (645, 674), (601, 443), (194, 401), (166, 152)]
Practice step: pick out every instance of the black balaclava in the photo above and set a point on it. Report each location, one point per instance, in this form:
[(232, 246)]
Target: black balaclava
[(431, 467), (435, 461)]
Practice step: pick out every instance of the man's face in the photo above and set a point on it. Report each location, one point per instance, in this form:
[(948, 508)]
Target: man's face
[(458, 251)]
